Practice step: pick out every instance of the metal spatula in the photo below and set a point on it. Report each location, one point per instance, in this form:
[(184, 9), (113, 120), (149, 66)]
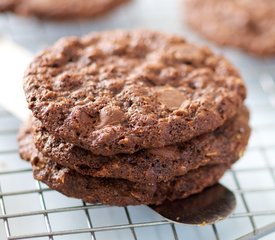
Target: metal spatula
[(211, 205)]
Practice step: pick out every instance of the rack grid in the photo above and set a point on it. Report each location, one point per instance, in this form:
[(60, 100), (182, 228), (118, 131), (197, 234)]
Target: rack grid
[(30, 210)]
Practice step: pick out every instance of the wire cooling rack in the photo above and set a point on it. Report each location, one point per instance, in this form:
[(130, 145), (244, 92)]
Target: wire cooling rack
[(30, 210)]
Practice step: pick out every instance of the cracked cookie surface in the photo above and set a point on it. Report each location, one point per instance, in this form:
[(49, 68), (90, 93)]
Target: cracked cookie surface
[(123, 91)]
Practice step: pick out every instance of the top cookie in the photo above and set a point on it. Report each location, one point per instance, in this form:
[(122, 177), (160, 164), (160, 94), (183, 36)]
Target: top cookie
[(60, 8), (122, 91), (246, 24)]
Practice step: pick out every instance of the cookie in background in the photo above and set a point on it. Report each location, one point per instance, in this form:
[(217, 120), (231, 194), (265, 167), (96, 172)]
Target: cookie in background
[(245, 24), (60, 9)]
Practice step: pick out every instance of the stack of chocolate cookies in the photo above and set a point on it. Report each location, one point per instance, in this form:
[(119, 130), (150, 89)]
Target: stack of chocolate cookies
[(132, 117)]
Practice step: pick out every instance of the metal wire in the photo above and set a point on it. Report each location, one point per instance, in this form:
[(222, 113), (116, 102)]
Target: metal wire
[(267, 84), (89, 221), (3, 208), (43, 205)]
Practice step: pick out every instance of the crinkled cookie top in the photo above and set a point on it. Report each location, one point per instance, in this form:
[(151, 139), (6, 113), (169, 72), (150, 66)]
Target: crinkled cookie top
[(122, 91)]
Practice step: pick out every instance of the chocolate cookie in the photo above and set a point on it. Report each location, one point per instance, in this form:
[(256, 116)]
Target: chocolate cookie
[(249, 25), (122, 91), (61, 8), (7, 5), (115, 191), (223, 146)]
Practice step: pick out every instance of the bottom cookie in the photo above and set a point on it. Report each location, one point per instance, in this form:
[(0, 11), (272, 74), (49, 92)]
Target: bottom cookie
[(116, 191)]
